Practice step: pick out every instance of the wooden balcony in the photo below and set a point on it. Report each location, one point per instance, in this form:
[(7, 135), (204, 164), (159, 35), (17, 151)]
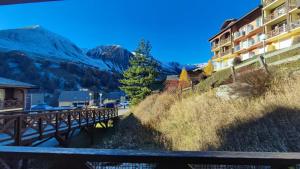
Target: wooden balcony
[(224, 53), (72, 158), (11, 104), (225, 41)]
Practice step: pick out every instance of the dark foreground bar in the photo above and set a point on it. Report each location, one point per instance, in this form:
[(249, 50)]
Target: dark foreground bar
[(33, 157), (9, 2)]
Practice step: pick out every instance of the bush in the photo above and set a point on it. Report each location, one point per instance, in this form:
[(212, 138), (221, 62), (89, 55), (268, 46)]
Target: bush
[(237, 60)]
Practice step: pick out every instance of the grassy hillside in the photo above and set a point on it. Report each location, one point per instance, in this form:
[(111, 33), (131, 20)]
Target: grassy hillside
[(201, 121)]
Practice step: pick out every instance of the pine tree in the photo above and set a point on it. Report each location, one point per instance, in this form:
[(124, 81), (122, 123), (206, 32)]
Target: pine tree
[(141, 74)]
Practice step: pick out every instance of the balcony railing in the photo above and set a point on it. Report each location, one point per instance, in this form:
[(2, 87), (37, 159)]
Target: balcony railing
[(226, 52), (276, 14), (295, 24), (62, 158), (214, 46), (224, 41), (277, 31), (10, 104), (268, 2)]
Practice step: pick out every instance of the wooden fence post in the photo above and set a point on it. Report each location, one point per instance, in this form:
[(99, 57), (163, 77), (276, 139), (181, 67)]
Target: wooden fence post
[(233, 74), (17, 132), (263, 64)]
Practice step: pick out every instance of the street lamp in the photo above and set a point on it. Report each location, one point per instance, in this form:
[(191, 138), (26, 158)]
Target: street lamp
[(100, 94), (263, 37), (90, 101)]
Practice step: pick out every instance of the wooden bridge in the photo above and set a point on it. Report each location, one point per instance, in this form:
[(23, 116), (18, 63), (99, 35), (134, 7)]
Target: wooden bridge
[(33, 128)]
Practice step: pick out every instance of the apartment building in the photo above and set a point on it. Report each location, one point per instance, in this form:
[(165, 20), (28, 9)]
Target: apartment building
[(248, 35), (281, 23), (222, 45), (241, 38)]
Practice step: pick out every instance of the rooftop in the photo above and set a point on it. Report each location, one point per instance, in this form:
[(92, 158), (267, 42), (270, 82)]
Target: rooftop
[(70, 96), (14, 84)]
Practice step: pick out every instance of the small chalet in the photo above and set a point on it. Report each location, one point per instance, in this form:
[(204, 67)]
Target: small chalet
[(13, 95), (171, 82), (195, 75), (82, 98)]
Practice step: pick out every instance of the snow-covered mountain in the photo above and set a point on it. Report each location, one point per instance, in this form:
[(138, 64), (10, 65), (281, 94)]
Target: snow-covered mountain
[(114, 56), (54, 63), (40, 43)]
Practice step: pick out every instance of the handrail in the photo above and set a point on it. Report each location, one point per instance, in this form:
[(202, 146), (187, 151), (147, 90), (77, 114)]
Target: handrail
[(7, 104), (22, 129), (156, 157)]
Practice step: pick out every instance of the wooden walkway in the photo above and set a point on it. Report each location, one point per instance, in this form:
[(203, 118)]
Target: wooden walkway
[(27, 129)]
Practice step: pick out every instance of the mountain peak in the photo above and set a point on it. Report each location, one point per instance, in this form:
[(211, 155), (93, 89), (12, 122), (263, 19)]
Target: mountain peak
[(32, 27)]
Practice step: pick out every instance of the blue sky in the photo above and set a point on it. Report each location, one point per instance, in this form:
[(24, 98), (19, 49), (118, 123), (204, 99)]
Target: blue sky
[(178, 29)]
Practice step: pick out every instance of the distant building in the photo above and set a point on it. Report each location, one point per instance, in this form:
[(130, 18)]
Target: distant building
[(13, 94), (171, 82), (75, 98), (37, 98), (114, 96)]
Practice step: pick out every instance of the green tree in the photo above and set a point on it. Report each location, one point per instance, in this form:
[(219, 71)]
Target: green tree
[(141, 74)]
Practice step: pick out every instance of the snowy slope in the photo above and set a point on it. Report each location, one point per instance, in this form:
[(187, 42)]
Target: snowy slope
[(114, 56), (41, 43)]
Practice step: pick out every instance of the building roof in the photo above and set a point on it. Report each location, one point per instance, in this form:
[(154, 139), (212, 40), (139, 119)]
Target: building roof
[(73, 96), (172, 77), (259, 8), (15, 84), (115, 95), (9, 2), (231, 22), (226, 25)]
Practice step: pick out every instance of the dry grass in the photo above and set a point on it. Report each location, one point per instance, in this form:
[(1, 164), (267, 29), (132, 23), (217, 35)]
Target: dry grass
[(200, 121), (204, 122)]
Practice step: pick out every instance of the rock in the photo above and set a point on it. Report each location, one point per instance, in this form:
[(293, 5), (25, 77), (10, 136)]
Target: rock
[(234, 91), (295, 74)]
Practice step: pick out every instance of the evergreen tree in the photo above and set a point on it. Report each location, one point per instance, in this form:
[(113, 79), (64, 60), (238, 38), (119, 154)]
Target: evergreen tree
[(141, 74)]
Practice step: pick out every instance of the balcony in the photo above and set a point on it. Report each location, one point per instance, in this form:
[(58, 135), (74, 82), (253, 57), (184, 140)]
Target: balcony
[(295, 24), (10, 104), (239, 34), (276, 14), (268, 2), (63, 158), (224, 53), (215, 46), (225, 41), (272, 4), (277, 31)]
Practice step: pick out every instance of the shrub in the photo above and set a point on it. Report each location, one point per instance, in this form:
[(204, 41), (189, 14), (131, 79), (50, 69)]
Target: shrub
[(237, 60)]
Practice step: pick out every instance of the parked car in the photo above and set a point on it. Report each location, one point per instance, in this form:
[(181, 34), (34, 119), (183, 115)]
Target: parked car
[(110, 105), (124, 104), (41, 107)]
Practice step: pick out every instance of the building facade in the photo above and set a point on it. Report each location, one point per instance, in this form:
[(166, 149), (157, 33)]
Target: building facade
[(13, 95), (276, 22), (238, 38), (222, 46), (281, 23)]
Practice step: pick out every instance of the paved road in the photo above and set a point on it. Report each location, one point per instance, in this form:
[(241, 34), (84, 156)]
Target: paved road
[(123, 111)]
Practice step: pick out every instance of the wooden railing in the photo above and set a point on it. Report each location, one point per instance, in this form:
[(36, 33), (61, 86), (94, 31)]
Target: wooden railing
[(10, 104), (224, 41), (26, 157), (29, 127)]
